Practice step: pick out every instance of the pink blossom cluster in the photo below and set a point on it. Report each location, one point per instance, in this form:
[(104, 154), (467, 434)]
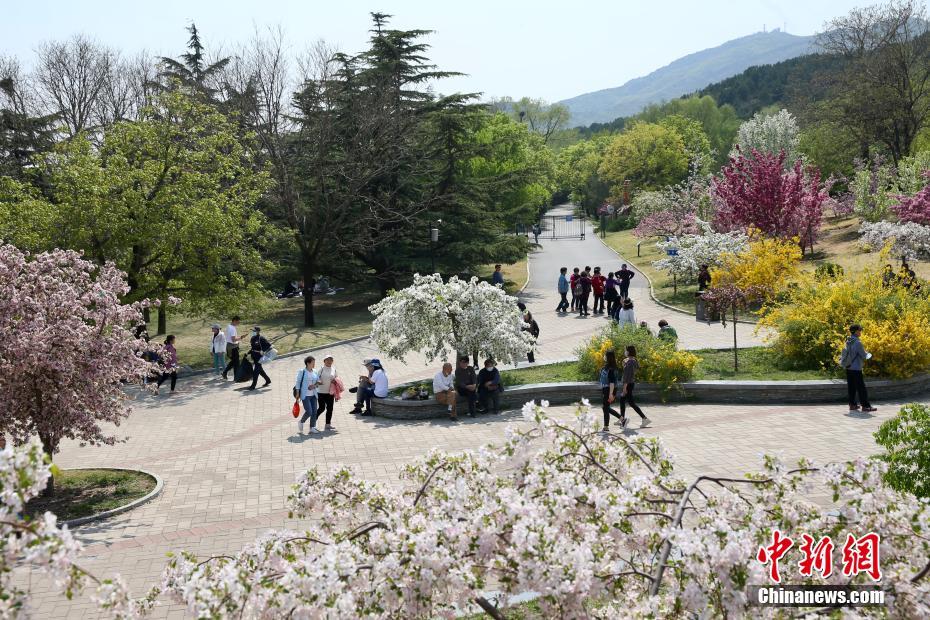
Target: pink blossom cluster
[(914, 208), (68, 346), (758, 192), (666, 224)]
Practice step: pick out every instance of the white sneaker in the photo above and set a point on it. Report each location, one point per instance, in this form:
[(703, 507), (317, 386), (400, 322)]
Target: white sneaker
[(300, 428), (646, 422), (314, 430), (330, 427), (450, 407)]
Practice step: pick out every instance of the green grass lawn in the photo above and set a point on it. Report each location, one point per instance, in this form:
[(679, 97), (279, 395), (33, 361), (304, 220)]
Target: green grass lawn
[(338, 317), (624, 242), (84, 492), (515, 275)]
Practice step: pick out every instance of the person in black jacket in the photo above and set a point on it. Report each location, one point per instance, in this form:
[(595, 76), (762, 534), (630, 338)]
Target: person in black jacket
[(489, 386), (466, 384), (259, 346)]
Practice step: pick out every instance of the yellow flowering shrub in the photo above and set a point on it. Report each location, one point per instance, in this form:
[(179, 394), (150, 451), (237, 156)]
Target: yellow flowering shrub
[(660, 363), (768, 264), (812, 321)]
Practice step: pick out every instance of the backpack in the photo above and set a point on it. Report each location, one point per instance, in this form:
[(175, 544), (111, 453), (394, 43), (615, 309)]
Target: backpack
[(604, 378), (578, 289)]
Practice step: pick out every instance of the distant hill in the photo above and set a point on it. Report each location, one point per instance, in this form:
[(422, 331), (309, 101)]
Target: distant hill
[(779, 84), (687, 74)]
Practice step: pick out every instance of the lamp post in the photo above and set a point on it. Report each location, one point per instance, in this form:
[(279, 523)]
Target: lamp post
[(433, 240)]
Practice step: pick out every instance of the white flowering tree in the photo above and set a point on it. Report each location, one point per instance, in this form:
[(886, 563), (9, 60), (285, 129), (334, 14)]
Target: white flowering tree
[(908, 240), (441, 318), (696, 250), (769, 134), (599, 525)]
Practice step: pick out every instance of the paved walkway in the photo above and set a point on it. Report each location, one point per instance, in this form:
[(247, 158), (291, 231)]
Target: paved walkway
[(228, 456)]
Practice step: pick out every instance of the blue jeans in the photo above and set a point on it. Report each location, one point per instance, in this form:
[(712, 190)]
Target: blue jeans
[(219, 362), (310, 410)]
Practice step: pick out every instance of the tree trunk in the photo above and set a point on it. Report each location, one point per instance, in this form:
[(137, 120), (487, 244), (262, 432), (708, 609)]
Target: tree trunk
[(735, 352), (162, 320), (146, 316), (386, 283), (309, 317), (49, 449)]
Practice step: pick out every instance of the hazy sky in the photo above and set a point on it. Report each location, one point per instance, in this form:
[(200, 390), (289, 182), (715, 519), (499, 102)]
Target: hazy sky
[(552, 50)]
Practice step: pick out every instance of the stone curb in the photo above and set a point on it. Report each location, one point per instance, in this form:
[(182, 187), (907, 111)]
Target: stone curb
[(820, 391), (652, 293), (159, 486)]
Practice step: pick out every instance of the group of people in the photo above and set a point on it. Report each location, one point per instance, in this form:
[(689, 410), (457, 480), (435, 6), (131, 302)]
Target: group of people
[(226, 344), (611, 293), (905, 276), (480, 390)]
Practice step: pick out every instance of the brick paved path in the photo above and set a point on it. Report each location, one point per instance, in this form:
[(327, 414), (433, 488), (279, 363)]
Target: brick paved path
[(229, 456)]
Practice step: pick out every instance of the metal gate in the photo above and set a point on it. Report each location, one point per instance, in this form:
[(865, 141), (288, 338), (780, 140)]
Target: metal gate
[(562, 226)]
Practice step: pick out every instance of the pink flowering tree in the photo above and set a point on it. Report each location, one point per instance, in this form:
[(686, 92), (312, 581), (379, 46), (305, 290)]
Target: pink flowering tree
[(67, 347), (666, 224), (914, 208), (758, 192)]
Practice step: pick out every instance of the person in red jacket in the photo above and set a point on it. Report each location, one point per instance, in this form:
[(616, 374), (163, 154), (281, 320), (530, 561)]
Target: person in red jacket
[(576, 291), (597, 287)]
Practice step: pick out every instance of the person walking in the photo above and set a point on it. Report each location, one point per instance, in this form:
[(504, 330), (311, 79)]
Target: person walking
[(563, 289), (498, 277), (218, 348), (624, 276), (610, 293), (326, 399), (704, 278), (232, 347), (171, 365), (597, 287), (537, 230), (305, 390), (585, 281), (490, 387), (626, 315), (852, 357), (259, 345), (575, 283), (628, 379), (466, 384), (444, 389), (608, 379)]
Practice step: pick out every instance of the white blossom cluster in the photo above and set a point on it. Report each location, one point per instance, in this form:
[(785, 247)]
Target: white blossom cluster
[(441, 318), (584, 520), (696, 250), (908, 240), (770, 134)]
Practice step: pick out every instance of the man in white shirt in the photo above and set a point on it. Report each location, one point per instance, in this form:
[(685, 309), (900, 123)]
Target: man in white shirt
[(232, 347), (444, 388)]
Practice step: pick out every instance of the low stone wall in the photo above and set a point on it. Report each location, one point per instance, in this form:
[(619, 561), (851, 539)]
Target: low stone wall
[(724, 392)]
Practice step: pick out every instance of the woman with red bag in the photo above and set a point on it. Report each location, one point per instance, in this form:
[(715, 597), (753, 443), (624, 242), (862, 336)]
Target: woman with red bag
[(305, 390)]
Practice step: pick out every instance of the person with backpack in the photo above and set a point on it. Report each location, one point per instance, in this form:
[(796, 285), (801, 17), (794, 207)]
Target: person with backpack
[(597, 287), (576, 288), (259, 345), (563, 291), (608, 380), (628, 381), (852, 358)]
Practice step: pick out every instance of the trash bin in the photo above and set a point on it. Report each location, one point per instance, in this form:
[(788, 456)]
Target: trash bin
[(702, 312)]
